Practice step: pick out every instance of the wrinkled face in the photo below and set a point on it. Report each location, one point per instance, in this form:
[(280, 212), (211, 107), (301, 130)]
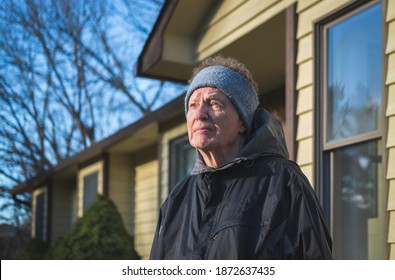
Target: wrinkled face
[(213, 122)]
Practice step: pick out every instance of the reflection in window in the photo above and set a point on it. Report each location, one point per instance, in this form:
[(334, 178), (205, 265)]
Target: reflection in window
[(354, 75), (356, 185), (40, 216), (352, 116), (183, 157), (90, 189)]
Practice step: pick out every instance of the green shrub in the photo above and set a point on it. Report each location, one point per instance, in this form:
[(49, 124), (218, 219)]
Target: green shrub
[(35, 250), (98, 235)]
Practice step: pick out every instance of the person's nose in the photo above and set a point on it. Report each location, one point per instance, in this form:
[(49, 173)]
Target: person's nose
[(201, 112)]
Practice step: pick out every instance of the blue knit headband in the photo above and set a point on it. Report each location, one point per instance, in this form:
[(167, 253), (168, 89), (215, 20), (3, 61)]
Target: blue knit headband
[(237, 88)]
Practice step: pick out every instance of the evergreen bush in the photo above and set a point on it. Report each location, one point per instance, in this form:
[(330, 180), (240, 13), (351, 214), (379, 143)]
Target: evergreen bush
[(35, 250), (98, 235)]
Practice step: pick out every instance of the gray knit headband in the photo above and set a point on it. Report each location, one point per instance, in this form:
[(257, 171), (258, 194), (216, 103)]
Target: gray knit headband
[(237, 88)]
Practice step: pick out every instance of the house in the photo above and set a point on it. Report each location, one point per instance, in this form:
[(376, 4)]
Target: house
[(325, 68)]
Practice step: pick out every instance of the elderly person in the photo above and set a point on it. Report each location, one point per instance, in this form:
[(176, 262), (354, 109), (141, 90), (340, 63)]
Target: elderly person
[(243, 199)]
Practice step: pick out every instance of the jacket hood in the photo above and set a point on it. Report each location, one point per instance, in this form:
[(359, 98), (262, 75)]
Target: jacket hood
[(267, 138)]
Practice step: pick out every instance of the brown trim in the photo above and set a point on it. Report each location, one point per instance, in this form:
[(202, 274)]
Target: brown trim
[(291, 49), (153, 48)]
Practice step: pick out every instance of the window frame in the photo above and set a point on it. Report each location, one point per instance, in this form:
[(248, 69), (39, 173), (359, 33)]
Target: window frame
[(36, 193), (97, 167), (324, 150), (173, 180), (321, 146)]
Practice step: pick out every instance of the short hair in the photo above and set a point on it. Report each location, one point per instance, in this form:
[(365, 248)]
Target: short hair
[(230, 62)]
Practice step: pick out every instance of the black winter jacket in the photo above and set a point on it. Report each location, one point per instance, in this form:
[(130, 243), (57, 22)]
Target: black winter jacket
[(259, 206)]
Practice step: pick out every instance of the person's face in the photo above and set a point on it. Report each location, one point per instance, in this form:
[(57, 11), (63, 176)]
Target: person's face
[(213, 122)]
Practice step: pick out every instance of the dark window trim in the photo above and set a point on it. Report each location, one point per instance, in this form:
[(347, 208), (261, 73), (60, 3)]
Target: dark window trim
[(321, 173), (291, 70), (173, 159)]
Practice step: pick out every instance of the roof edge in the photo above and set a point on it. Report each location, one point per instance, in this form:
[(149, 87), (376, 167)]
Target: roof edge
[(162, 114), (153, 48)]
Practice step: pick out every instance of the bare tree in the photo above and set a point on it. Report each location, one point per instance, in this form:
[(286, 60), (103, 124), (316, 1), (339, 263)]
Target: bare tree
[(65, 67)]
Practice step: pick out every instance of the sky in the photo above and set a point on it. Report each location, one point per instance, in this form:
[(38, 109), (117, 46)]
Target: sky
[(132, 48)]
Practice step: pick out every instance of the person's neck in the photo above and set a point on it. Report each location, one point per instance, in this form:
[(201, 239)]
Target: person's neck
[(217, 158)]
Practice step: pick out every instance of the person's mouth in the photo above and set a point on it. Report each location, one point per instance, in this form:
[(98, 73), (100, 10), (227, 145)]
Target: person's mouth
[(202, 129)]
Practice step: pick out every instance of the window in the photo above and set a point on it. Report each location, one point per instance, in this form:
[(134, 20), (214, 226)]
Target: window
[(182, 159), (39, 215), (349, 128), (90, 189), (90, 186)]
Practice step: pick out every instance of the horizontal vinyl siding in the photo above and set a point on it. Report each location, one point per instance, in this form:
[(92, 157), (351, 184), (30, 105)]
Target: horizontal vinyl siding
[(308, 12), (120, 187), (146, 206), (232, 20), (390, 114)]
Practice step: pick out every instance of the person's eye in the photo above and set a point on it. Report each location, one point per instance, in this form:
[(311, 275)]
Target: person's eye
[(215, 103), (192, 105)]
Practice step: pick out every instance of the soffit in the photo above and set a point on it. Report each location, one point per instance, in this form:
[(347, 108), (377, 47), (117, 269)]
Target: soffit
[(262, 49)]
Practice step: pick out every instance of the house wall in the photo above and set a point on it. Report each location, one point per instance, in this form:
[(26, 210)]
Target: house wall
[(308, 12), (62, 207), (120, 189), (390, 115), (146, 178), (232, 20)]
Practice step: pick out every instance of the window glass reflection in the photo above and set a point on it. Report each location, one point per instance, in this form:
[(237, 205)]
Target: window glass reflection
[(354, 75), (356, 187)]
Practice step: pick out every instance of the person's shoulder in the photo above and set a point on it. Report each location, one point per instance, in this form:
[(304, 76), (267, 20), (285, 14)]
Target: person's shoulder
[(279, 163), (287, 169)]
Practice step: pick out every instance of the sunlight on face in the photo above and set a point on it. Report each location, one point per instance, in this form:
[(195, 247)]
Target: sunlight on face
[(212, 120)]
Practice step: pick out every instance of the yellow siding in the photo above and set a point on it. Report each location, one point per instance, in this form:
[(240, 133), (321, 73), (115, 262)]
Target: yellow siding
[(391, 196), (305, 126), (308, 171), (391, 237), (306, 74), (390, 10), (146, 206), (391, 100), (305, 100), (62, 207), (391, 40), (230, 23), (305, 151), (120, 187), (304, 4), (308, 16), (390, 113), (305, 47), (391, 69), (391, 131), (392, 252)]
